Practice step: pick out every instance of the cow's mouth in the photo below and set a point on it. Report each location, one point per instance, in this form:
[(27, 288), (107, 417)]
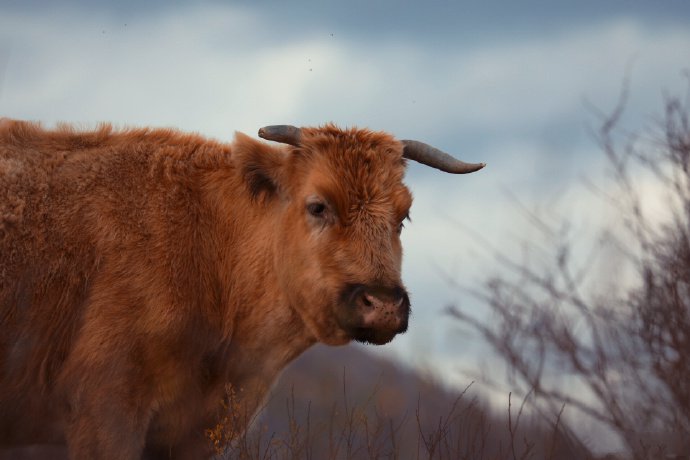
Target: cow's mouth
[(375, 336)]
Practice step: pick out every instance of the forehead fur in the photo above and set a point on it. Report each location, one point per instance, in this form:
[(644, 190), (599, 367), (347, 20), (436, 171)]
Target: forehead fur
[(356, 167)]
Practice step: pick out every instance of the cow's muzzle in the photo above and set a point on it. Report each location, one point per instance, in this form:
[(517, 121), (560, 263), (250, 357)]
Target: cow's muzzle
[(374, 314)]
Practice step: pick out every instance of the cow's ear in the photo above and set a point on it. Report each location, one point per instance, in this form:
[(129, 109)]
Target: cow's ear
[(261, 166)]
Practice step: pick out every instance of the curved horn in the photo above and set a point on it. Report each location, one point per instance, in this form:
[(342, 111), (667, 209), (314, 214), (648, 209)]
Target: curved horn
[(431, 156), (285, 134)]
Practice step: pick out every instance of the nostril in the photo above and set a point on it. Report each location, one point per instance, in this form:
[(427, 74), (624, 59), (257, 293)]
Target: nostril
[(368, 300)]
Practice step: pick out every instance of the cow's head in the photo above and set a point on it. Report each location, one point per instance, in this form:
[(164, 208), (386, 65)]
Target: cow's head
[(339, 202)]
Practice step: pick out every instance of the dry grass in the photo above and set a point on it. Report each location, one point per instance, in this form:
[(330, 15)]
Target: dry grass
[(360, 421)]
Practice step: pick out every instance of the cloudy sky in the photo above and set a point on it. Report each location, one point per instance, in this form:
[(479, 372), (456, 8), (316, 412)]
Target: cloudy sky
[(504, 82)]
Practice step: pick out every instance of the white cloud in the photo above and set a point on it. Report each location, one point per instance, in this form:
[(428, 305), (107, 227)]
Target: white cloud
[(213, 69)]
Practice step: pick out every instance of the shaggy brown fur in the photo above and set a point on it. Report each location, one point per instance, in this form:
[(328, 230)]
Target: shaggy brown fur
[(142, 270)]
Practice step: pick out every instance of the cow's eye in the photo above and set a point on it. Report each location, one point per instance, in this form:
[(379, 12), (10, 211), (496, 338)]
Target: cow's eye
[(401, 225), (317, 209)]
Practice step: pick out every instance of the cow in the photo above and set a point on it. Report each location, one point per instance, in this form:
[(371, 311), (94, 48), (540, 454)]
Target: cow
[(142, 271)]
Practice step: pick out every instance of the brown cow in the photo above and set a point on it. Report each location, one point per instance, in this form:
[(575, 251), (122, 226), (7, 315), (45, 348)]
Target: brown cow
[(142, 270)]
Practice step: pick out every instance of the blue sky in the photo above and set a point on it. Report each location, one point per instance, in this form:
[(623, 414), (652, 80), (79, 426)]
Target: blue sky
[(497, 81)]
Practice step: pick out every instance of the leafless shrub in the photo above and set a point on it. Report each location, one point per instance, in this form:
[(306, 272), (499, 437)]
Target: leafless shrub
[(620, 356)]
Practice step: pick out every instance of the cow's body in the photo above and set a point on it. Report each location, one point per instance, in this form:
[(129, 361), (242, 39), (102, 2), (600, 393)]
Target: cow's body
[(141, 271)]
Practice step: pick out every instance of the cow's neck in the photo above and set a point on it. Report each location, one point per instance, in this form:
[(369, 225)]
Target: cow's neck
[(264, 334), (261, 332)]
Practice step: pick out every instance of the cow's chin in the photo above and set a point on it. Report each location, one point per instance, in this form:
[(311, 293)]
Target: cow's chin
[(360, 334), (376, 335), (373, 336)]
